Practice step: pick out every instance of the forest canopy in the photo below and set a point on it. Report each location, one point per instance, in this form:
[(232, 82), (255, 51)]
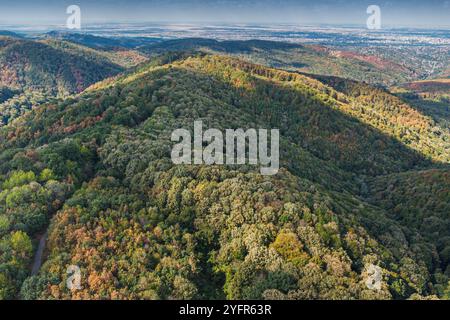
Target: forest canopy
[(363, 181)]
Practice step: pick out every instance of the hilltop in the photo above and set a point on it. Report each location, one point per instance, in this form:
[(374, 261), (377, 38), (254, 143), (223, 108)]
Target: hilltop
[(312, 59)]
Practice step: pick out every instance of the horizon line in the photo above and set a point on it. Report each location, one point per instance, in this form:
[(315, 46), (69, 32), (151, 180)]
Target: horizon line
[(224, 23)]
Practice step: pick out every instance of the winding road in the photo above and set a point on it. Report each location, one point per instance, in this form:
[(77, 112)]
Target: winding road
[(38, 257)]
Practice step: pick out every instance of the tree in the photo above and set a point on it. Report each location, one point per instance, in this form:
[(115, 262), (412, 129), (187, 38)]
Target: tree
[(21, 245)]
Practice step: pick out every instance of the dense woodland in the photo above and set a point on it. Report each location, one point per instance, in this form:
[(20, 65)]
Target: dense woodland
[(85, 156), (35, 71), (364, 180)]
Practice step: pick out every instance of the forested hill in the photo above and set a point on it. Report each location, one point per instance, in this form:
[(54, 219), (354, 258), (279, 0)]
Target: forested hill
[(296, 57), (97, 168), (51, 66), (101, 43), (38, 70)]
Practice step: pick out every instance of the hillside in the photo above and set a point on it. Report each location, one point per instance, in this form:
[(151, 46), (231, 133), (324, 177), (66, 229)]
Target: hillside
[(420, 200), (37, 71), (407, 122), (435, 86), (295, 57), (101, 43), (430, 97), (97, 168), (53, 67), (425, 61)]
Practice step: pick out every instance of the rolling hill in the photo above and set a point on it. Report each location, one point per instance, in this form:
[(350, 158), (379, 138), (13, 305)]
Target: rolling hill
[(101, 43), (49, 66), (96, 168), (312, 59), (40, 70)]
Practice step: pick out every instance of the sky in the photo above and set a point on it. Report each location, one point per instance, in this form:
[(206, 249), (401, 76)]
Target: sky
[(412, 13)]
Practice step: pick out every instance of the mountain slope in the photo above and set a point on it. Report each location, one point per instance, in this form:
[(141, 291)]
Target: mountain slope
[(52, 67), (295, 57), (139, 226), (420, 198), (38, 71), (395, 117)]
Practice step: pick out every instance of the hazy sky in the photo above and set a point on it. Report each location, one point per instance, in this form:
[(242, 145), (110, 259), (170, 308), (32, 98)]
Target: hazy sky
[(394, 12)]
